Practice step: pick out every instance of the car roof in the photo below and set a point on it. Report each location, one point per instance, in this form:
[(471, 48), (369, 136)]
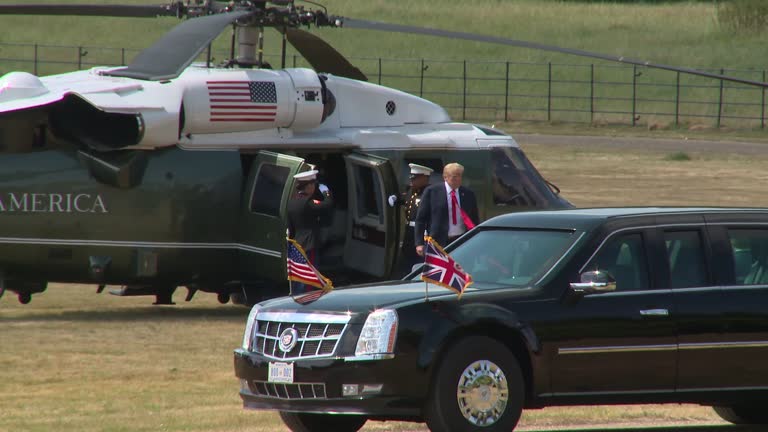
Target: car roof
[(588, 218)]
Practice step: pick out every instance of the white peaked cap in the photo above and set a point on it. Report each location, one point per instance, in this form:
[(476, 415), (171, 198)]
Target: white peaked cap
[(306, 176), (420, 169)]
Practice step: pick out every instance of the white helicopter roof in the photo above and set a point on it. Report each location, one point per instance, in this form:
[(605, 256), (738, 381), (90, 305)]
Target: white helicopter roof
[(236, 109)]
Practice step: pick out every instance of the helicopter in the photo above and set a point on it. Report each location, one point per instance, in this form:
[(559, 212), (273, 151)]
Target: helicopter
[(167, 173)]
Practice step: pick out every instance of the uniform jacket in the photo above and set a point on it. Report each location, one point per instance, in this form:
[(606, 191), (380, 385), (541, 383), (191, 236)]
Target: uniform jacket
[(433, 212), (305, 217)]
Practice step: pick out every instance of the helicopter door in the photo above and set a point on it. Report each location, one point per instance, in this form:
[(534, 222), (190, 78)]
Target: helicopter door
[(262, 227), (372, 230)]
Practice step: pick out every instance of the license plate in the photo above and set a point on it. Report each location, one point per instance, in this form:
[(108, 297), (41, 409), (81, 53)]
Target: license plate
[(280, 372)]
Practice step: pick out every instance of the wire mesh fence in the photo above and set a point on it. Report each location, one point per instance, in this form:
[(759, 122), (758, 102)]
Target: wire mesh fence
[(477, 90)]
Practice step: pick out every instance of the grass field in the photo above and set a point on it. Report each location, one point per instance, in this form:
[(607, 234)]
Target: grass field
[(76, 361)]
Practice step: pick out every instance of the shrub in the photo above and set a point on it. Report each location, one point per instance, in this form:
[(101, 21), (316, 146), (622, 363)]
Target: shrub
[(678, 156)]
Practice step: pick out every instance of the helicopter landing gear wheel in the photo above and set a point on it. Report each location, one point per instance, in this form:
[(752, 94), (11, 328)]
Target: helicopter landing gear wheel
[(304, 422), (25, 298), (223, 298), (478, 387)]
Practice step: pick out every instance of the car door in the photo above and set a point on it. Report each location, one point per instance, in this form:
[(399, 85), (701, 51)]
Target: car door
[(372, 231), (263, 216), (697, 298), (736, 356), (621, 342)]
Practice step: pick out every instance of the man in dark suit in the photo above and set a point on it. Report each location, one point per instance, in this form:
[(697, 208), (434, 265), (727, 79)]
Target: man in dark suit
[(446, 211)]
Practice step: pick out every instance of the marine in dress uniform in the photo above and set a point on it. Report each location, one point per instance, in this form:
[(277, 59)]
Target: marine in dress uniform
[(419, 180), (305, 216)]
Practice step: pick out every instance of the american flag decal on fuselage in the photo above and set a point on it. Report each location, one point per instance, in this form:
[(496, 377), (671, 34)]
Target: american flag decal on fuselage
[(242, 101)]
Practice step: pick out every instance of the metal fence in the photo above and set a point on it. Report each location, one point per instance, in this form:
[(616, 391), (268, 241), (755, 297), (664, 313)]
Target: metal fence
[(598, 93)]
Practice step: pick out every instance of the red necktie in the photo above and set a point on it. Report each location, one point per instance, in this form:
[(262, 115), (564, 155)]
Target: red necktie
[(464, 217), (454, 204)]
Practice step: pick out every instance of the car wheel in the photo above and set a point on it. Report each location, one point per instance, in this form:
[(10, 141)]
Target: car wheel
[(743, 414), (305, 422), (478, 386)]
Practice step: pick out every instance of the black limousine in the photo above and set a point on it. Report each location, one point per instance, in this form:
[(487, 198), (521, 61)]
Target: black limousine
[(587, 306)]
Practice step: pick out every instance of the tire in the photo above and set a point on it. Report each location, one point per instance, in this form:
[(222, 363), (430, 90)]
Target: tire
[(464, 364), (743, 414), (304, 422)]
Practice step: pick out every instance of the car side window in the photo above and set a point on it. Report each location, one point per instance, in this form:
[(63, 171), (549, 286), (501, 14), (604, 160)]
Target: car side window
[(750, 256), (686, 259), (624, 258)]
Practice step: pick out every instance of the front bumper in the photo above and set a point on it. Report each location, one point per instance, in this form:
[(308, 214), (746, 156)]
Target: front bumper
[(317, 387)]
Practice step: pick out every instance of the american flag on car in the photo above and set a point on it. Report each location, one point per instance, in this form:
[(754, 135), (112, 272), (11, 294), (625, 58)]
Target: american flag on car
[(301, 270)]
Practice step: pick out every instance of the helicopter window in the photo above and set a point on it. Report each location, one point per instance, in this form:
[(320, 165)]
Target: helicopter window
[(515, 181), (270, 182), (368, 197)]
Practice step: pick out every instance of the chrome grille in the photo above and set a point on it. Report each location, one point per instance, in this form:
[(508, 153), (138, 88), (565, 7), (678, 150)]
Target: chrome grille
[(318, 334), (288, 391)]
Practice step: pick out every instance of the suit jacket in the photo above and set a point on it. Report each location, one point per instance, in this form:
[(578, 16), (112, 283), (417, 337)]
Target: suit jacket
[(432, 216)]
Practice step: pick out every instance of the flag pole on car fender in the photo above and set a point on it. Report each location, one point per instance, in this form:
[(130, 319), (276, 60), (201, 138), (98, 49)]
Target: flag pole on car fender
[(426, 284)]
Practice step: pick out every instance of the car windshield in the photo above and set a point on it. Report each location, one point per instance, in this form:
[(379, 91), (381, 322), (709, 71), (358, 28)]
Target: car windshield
[(510, 258)]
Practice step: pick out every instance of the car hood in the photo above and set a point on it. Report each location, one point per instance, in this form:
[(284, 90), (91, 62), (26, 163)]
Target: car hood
[(362, 298)]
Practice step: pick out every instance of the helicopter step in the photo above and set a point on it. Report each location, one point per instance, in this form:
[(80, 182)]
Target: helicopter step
[(163, 294)]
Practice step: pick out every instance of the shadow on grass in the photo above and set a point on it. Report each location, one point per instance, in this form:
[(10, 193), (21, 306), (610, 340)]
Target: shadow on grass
[(144, 313)]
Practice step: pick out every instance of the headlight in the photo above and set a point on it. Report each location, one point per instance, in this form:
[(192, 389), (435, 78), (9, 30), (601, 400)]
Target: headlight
[(249, 327), (378, 334)]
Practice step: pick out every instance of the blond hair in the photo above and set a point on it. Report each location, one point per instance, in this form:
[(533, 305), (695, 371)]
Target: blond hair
[(453, 167)]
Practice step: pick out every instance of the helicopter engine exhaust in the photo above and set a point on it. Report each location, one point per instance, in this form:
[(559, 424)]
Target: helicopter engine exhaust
[(78, 120)]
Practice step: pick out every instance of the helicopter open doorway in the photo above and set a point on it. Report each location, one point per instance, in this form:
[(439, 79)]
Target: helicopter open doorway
[(357, 242)]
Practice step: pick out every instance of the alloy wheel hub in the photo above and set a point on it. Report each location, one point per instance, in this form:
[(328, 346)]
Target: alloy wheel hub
[(482, 393)]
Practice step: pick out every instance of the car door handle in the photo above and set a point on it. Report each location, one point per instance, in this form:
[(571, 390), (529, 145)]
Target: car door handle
[(654, 312)]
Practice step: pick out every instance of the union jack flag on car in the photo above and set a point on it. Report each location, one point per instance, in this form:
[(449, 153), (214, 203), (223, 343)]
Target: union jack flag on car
[(441, 269)]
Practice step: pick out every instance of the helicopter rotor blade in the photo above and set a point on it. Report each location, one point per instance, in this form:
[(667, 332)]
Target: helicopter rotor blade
[(398, 28), (320, 55), (131, 11), (168, 57)]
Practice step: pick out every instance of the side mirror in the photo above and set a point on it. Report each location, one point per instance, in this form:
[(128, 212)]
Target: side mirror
[(592, 282)]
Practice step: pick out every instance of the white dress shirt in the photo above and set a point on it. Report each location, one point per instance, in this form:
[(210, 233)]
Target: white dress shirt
[(458, 228)]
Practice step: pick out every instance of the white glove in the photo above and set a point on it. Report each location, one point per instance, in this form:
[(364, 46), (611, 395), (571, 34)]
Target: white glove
[(392, 200), (324, 189)]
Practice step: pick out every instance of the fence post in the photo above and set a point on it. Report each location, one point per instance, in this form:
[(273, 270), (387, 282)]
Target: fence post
[(592, 93), (464, 103), (720, 101), (506, 93), (379, 70), (549, 91), (634, 94), (35, 64), (677, 100), (122, 56), (762, 106), (421, 79), (79, 58)]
